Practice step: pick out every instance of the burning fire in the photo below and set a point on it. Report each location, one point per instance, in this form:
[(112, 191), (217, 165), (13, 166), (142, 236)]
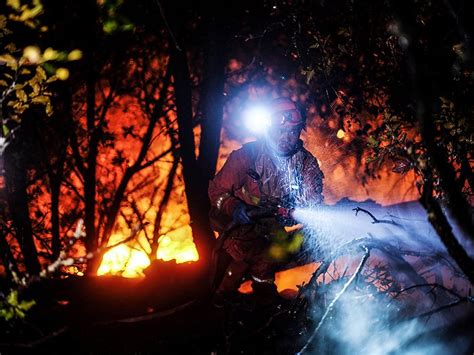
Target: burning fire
[(124, 260), (129, 260), (180, 247)]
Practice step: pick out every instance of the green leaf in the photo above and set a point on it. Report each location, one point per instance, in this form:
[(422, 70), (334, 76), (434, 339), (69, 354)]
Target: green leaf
[(12, 308), (128, 26), (110, 26), (6, 130), (12, 298), (26, 305), (49, 68), (7, 314), (14, 4)]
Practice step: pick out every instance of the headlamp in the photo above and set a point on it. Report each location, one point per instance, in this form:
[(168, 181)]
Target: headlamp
[(257, 119), (281, 112)]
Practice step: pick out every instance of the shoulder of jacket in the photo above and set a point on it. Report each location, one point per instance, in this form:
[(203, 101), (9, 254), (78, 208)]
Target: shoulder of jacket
[(311, 161), (307, 155), (250, 149)]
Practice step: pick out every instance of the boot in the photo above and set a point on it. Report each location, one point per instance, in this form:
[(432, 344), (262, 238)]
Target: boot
[(266, 293), (228, 288)]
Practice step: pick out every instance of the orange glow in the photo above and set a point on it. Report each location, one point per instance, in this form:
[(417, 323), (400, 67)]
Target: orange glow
[(179, 246), (125, 261), (130, 260), (73, 270), (288, 279)]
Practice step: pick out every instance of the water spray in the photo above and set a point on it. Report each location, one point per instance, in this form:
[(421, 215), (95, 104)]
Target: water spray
[(369, 326)]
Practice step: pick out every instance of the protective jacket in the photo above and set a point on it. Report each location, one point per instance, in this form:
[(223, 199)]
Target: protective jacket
[(297, 177)]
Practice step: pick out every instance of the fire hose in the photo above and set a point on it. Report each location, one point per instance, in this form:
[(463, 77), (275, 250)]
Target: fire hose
[(274, 208), (268, 206)]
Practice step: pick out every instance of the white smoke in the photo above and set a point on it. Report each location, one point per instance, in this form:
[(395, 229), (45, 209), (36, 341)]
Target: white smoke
[(372, 321)]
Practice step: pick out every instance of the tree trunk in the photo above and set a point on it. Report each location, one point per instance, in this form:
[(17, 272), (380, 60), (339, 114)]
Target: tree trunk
[(7, 257), (425, 97), (17, 198), (212, 100), (439, 221), (196, 184), (55, 183), (162, 207), (63, 114), (90, 173)]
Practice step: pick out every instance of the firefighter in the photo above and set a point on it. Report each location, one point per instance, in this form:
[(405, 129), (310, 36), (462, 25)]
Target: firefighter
[(285, 170)]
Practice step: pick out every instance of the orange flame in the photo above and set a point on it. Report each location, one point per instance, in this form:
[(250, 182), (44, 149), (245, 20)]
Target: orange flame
[(130, 260)]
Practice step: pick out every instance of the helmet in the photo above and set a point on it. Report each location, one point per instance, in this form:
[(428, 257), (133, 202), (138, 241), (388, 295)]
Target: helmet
[(283, 111)]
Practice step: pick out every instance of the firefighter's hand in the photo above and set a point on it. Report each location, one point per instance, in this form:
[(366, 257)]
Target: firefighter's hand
[(239, 214)]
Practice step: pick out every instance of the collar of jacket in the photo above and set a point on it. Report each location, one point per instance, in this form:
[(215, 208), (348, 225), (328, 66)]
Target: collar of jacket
[(295, 150)]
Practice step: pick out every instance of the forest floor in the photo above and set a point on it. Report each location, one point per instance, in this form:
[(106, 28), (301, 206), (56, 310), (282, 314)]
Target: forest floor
[(117, 315)]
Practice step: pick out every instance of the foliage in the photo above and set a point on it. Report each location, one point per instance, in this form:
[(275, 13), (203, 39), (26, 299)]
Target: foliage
[(28, 71), (112, 18), (354, 58), (12, 308)]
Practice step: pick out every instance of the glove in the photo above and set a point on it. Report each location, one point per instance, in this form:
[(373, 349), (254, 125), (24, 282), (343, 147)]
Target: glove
[(285, 221), (239, 214)]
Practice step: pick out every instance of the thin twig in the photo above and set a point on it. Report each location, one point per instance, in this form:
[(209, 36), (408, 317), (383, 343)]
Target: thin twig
[(37, 342), (375, 220), (338, 296), (428, 285), (132, 236), (151, 316), (170, 31), (442, 308)]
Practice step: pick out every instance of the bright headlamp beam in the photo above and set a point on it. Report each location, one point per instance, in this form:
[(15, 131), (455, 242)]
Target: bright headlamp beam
[(257, 119)]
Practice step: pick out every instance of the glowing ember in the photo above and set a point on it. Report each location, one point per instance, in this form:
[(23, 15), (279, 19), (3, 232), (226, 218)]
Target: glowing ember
[(73, 270)]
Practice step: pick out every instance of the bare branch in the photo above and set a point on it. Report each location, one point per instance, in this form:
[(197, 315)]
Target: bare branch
[(375, 220), (37, 342), (428, 285), (338, 296), (155, 159), (168, 28), (442, 308), (136, 229), (151, 316)]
